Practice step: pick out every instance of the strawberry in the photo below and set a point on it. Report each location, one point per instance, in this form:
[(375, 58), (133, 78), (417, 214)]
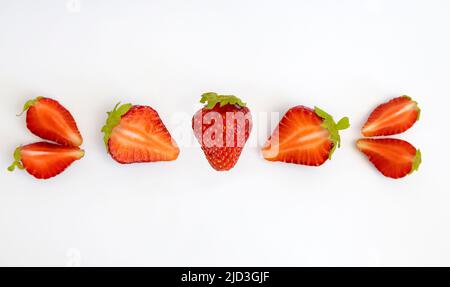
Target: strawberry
[(392, 157), (393, 117), (44, 160), (304, 136), (137, 134), (222, 128), (49, 120)]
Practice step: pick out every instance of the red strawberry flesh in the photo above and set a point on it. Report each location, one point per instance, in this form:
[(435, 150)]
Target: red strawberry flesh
[(49, 120), (393, 117), (394, 158), (44, 160), (140, 136), (302, 137)]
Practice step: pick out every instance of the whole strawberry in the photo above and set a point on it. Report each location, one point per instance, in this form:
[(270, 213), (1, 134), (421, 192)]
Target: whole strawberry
[(222, 128)]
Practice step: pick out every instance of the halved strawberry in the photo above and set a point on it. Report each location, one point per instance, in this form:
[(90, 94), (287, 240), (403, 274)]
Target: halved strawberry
[(49, 120), (393, 117), (44, 160), (392, 157), (304, 136), (222, 128), (137, 134)]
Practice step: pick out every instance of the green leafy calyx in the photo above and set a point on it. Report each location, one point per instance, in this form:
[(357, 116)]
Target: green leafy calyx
[(113, 120), (417, 161), (333, 127), (17, 160), (28, 105), (212, 99)]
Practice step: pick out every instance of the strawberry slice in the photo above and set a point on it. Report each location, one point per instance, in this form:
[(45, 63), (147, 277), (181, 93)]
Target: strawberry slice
[(392, 157), (49, 120), (393, 117), (304, 136), (137, 134), (44, 160)]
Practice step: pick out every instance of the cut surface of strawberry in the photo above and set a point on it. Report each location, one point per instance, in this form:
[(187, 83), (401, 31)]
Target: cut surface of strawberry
[(392, 117), (135, 134), (49, 120), (222, 127), (394, 158), (304, 136), (44, 160)]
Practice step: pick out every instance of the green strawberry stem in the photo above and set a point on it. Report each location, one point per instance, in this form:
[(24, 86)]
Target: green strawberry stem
[(417, 161), (28, 105), (212, 99), (113, 120), (17, 160), (333, 127)]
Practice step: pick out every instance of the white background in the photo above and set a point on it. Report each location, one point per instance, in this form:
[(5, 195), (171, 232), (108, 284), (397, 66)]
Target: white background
[(343, 56)]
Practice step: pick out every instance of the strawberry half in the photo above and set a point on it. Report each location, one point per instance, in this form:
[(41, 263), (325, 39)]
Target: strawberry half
[(222, 128), (49, 120), (44, 160), (304, 136), (393, 117), (392, 157), (137, 134)]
